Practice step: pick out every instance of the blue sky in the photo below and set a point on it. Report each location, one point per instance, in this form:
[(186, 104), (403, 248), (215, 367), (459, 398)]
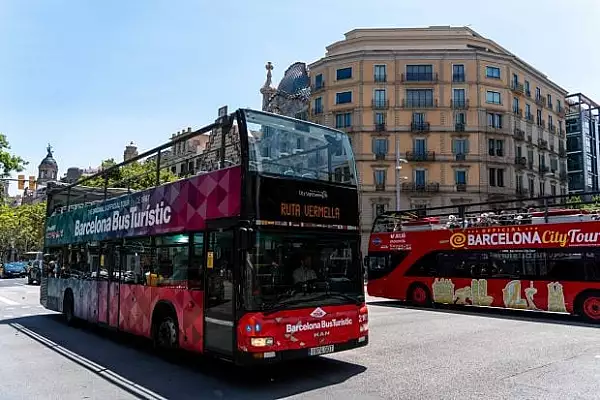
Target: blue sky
[(90, 76)]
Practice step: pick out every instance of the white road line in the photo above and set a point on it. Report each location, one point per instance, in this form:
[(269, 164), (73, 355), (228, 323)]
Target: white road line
[(10, 308), (24, 307), (8, 301), (7, 316)]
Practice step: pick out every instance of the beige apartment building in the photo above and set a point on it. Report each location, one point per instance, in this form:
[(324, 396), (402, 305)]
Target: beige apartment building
[(469, 121)]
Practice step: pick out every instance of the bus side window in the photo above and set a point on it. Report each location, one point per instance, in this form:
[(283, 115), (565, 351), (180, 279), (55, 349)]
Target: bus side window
[(428, 265)]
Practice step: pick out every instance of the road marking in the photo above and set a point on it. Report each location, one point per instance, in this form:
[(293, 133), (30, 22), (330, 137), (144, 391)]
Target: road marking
[(7, 316), (132, 387), (8, 301), (10, 308), (24, 307)]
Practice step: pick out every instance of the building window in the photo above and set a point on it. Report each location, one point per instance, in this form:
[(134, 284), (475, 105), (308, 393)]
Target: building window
[(460, 177), (542, 188), (527, 88), (318, 105), (538, 93), (379, 209), (460, 146), (379, 118), (343, 98), (528, 115), (493, 97), (343, 73), (549, 100), (380, 146), (416, 73), (460, 119), (420, 177), (531, 187), (515, 105), (379, 100), (379, 176), (553, 190), (420, 147), (539, 117), (458, 73), (494, 120), (459, 98), (380, 73), (496, 177), (419, 98), (496, 147), (319, 81), (343, 120), (492, 72)]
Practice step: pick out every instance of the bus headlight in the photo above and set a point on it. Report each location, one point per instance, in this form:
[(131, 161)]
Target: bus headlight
[(261, 341)]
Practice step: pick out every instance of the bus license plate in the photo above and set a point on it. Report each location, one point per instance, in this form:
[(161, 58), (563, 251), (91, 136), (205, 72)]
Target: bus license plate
[(317, 351)]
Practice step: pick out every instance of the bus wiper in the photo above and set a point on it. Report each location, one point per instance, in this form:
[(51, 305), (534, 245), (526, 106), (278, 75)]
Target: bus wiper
[(282, 305)]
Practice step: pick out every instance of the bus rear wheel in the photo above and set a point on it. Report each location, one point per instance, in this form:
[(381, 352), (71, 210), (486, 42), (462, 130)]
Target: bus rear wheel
[(589, 307), (165, 330), (419, 295)]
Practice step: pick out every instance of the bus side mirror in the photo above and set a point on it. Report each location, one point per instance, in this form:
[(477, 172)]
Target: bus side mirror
[(247, 238)]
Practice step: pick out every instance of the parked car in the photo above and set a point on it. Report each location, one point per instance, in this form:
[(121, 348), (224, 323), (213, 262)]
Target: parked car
[(13, 270)]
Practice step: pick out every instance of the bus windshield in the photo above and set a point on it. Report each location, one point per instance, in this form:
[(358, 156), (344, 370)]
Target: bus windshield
[(285, 269), (298, 149)]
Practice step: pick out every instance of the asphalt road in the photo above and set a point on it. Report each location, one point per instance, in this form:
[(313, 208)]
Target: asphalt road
[(414, 354)]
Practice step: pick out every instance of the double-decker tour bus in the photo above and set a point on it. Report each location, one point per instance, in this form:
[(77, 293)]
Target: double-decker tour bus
[(491, 255), (253, 256)]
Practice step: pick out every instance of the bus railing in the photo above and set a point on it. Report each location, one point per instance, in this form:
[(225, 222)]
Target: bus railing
[(541, 210)]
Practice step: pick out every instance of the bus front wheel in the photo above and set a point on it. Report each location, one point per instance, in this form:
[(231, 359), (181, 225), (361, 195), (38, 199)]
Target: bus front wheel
[(165, 330), (419, 295), (69, 308)]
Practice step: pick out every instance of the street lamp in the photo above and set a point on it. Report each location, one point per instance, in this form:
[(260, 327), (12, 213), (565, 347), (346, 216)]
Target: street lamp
[(399, 162)]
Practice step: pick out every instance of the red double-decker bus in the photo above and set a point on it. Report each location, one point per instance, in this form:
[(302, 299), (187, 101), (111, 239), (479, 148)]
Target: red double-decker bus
[(490, 255), (254, 256)]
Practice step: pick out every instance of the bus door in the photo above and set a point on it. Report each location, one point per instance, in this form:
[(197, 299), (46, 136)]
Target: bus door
[(219, 304), (108, 285)]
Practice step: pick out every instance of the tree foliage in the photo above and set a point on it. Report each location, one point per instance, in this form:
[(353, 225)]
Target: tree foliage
[(576, 202), (136, 175), (22, 227), (9, 162)]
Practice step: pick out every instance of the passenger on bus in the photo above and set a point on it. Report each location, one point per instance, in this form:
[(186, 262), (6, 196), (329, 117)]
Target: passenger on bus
[(304, 272)]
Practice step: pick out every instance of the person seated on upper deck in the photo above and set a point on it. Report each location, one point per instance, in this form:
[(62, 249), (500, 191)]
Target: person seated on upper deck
[(304, 272)]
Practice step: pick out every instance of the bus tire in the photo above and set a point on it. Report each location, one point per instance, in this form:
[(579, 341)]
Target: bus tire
[(165, 328), (68, 308), (587, 306), (419, 295)]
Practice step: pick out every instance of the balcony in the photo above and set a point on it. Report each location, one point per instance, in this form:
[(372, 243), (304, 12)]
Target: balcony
[(433, 103), (380, 187), (563, 175), (413, 77), (543, 144), (317, 110), (528, 93), (460, 157), (518, 112), (380, 78), (560, 111), (540, 101), (431, 187), (420, 127), (461, 187), (458, 78), (541, 123), (519, 134), (543, 169), (551, 128), (380, 156), (420, 156), (552, 147), (520, 162), (317, 88), (380, 127), (380, 104), (530, 165), (562, 152), (517, 87), (529, 118), (561, 133), (459, 127), (459, 104), (529, 139)]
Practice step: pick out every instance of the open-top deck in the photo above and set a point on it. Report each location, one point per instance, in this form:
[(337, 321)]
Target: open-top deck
[(543, 210)]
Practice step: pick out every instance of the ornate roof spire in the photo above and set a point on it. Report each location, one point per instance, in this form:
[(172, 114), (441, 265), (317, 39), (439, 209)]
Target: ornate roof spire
[(269, 68), (49, 149)]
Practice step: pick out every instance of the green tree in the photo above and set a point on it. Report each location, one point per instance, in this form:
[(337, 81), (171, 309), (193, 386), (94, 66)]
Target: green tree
[(22, 227), (9, 162), (136, 175)]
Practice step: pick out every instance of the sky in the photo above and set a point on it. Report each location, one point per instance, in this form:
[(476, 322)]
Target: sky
[(91, 76)]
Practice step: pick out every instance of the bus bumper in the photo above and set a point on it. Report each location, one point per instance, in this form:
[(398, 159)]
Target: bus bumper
[(275, 357)]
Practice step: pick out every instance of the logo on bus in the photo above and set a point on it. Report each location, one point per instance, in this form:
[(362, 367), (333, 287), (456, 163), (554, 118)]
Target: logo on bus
[(528, 236), (318, 313), (377, 241)]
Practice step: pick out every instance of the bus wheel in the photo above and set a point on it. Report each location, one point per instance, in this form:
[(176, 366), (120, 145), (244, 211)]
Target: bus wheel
[(68, 308), (590, 307), (419, 295), (166, 332)]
